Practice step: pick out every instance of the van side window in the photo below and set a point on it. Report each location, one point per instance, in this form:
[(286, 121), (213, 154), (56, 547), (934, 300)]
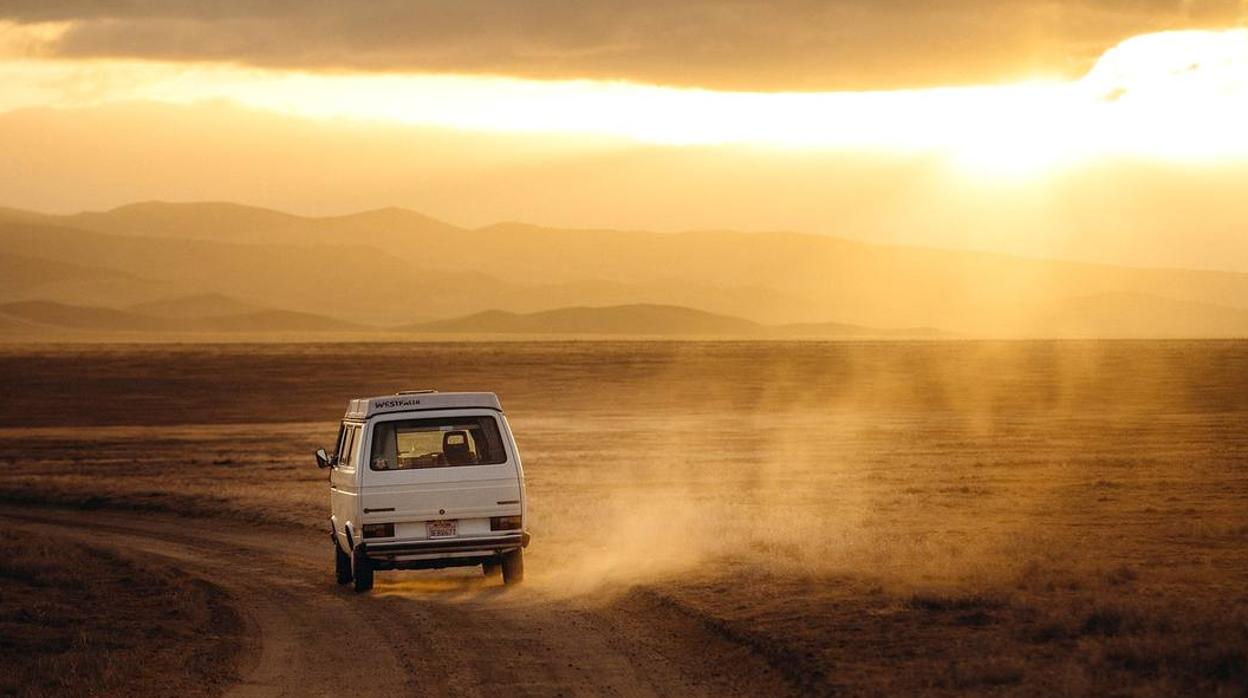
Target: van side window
[(355, 435), (341, 446), (348, 446)]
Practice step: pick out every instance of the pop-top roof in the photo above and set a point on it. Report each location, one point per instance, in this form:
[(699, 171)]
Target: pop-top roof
[(411, 400)]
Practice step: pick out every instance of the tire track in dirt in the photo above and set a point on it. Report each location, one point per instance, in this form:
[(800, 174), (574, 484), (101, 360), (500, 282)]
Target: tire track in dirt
[(423, 634), (289, 648)]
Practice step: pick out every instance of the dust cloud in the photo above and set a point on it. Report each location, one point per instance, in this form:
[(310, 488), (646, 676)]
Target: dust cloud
[(914, 464)]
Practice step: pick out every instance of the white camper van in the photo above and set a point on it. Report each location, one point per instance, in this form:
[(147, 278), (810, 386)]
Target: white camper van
[(422, 479)]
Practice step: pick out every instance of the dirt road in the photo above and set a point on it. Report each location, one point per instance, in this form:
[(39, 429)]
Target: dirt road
[(421, 634)]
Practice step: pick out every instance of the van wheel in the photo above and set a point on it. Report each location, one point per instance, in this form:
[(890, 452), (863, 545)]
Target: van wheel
[(513, 567), (342, 566), (490, 568), (362, 572)]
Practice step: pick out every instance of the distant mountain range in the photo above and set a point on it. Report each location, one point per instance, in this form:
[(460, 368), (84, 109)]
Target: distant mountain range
[(201, 316), (37, 316), (204, 305), (221, 267), (645, 319)]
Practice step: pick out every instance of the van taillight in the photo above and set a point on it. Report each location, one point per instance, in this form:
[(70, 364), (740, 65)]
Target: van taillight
[(504, 523), (379, 530)]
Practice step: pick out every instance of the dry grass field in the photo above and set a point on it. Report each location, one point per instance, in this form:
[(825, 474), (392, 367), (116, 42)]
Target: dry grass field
[(1030, 518), (78, 621)]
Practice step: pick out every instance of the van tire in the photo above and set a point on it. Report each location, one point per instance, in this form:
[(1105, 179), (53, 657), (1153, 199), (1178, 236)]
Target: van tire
[(513, 567), (342, 566), (362, 573)]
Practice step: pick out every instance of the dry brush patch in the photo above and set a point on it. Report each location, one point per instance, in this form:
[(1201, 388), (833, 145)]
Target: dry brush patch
[(1078, 632), (79, 621)]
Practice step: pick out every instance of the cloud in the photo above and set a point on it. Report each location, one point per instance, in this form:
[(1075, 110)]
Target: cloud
[(720, 44)]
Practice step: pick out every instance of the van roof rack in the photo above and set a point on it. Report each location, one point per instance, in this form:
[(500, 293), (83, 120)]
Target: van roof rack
[(424, 391), (363, 408)]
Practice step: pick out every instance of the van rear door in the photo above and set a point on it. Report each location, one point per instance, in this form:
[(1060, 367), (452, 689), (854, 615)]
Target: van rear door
[(440, 474)]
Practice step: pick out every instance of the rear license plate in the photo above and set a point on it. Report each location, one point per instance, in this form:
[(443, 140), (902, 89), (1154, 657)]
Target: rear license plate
[(442, 529)]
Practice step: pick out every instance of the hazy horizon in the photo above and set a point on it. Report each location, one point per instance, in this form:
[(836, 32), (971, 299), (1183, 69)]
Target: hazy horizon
[(347, 213), (222, 267)]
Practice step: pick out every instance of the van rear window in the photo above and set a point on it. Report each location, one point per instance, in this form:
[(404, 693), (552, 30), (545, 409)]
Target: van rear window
[(444, 442)]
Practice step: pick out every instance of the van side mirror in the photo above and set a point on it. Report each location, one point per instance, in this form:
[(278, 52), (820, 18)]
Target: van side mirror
[(322, 458)]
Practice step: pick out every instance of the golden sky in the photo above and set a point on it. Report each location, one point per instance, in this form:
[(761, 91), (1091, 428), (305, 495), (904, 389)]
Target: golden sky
[(986, 109)]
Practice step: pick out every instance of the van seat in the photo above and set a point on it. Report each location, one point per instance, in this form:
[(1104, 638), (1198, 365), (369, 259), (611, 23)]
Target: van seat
[(456, 449)]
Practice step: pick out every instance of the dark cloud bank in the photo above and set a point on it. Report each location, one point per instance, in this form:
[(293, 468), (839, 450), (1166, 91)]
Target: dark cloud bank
[(786, 44)]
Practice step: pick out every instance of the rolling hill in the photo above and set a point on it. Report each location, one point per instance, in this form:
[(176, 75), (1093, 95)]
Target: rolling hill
[(203, 305), (644, 319), (229, 222), (640, 319), (25, 278), (58, 316), (42, 317), (278, 321), (627, 320), (387, 266)]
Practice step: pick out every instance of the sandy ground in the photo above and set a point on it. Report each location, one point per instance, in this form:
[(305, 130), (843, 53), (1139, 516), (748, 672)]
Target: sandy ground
[(450, 634), (940, 518)]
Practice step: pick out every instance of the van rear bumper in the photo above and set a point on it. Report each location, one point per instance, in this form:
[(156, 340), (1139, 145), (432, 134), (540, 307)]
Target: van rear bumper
[(490, 544)]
